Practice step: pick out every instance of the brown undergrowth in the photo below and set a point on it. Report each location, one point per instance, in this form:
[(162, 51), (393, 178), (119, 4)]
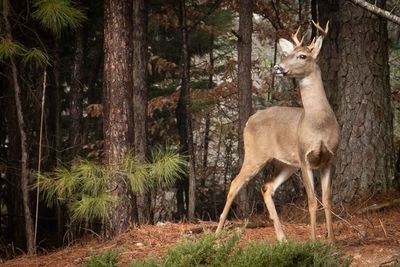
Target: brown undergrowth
[(371, 238)]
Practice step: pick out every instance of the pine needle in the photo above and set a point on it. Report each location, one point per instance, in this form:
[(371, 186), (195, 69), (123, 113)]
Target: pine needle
[(9, 49), (56, 15), (35, 57)]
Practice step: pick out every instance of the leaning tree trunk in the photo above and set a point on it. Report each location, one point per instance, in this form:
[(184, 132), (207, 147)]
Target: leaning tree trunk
[(29, 229), (31, 246), (244, 86), (117, 83), (355, 69), (140, 98)]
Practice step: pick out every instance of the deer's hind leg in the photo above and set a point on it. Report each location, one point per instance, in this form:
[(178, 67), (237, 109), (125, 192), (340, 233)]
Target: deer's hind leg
[(326, 198), (281, 173), (247, 172)]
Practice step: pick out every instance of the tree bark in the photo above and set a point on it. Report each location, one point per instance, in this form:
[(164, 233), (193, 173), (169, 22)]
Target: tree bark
[(140, 98), (29, 229), (117, 83), (245, 87), (355, 69), (15, 225), (54, 128), (76, 95), (31, 246), (183, 115)]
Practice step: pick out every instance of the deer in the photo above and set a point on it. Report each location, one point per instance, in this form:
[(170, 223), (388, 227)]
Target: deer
[(292, 138)]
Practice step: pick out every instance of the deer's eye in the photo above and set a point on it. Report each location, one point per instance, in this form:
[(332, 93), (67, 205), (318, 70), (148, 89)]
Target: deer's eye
[(302, 56)]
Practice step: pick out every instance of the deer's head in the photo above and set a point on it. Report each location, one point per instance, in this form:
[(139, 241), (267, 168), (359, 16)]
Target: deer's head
[(299, 60)]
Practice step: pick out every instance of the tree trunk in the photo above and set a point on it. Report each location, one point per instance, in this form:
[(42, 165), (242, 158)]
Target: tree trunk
[(76, 93), (117, 83), (15, 223), (140, 97), (29, 229), (54, 129), (183, 115), (245, 87), (355, 69), (94, 94)]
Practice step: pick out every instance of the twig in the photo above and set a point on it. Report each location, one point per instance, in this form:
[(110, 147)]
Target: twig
[(389, 263), (375, 207), (237, 35), (40, 155), (361, 234), (383, 228)]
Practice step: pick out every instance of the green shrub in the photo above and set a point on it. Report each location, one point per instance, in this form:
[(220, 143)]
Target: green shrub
[(108, 258), (213, 250), (84, 187), (294, 254)]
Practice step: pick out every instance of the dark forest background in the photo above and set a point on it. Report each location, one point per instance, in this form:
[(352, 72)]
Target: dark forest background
[(118, 112)]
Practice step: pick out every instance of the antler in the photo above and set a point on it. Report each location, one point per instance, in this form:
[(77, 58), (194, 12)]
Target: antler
[(296, 40), (312, 44), (323, 31)]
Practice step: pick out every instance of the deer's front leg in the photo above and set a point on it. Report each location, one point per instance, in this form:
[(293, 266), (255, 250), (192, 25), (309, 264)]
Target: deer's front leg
[(308, 180)]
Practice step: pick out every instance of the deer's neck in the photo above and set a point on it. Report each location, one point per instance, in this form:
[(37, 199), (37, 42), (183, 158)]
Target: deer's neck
[(313, 94)]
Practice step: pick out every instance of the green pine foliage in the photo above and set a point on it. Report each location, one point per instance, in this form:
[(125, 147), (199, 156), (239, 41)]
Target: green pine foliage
[(167, 165), (108, 258), (81, 187), (56, 15), (36, 57), (84, 186), (218, 251), (91, 207), (162, 170), (9, 49)]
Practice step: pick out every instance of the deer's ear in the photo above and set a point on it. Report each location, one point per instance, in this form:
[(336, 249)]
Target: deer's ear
[(317, 47), (286, 46)]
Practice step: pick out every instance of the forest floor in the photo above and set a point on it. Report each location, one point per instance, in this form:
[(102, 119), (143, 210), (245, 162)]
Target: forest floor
[(371, 238)]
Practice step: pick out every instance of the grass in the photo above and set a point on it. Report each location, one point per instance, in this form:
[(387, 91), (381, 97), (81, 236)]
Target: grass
[(218, 251), (108, 258)]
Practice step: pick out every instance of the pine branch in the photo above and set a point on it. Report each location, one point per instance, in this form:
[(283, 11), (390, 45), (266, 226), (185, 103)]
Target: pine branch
[(377, 11)]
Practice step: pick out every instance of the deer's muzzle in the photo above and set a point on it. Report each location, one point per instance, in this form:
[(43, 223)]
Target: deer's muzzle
[(278, 70)]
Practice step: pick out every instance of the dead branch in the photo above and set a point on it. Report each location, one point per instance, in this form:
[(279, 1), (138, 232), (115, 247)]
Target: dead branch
[(377, 11), (375, 207)]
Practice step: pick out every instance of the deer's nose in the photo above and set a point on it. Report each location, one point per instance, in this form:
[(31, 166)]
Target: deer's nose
[(277, 69)]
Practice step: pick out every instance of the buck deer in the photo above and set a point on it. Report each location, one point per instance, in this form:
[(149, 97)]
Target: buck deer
[(292, 138)]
